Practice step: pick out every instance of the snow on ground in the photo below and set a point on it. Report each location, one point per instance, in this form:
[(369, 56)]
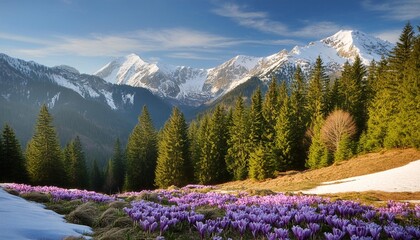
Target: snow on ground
[(21, 219), (401, 179)]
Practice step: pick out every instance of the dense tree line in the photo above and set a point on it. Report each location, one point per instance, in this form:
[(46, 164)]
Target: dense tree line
[(310, 123)]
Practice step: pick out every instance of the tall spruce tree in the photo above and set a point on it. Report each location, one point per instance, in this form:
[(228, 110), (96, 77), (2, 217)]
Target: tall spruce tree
[(388, 113), (43, 153), (300, 116), (317, 91), (256, 120), (205, 166), (319, 156), (195, 145), (286, 137), (118, 166), (404, 129), (75, 165), (12, 162), (173, 162), (96, 177), (110, 184), (141, 154), (237, 159), (211, 167), (270, 111), (261, 165)]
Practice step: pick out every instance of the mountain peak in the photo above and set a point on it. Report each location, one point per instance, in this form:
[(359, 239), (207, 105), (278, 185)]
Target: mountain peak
[(350, 43)]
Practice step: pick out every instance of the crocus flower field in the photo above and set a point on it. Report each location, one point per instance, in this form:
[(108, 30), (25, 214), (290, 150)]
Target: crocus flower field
[(242, 216)]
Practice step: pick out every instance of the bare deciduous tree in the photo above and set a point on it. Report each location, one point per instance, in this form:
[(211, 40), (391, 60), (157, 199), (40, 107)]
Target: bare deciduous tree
[(338, 124)]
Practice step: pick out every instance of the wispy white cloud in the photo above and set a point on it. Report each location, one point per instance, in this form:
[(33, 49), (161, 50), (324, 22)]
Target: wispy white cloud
[(390, 35), (117, 44), (190, 55), (180, 42), (261, 21), (402, 10)]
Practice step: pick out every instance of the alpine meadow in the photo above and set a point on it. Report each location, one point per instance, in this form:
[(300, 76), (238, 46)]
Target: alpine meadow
[(320, 141)]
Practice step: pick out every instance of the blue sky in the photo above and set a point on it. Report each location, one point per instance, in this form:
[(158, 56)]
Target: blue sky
[(86, 34)]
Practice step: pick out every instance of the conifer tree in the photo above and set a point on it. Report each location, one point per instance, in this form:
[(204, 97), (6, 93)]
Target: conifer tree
[(219, 136), (43, 153), (96, 177), (402, 51), (75, 165), (300, 116), (12, 162), (256, 118), (261, 165), (389, 119), (141, 154), (344, 150), (286, 137), (110, 185), (317, 91), (319, 155), (270, 111), (237, 159), (404, 129), (204, 167), (195, 145), (118, 166), (173, 163)]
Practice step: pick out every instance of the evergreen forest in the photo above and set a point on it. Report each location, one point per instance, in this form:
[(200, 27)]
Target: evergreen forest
[(310, 123)]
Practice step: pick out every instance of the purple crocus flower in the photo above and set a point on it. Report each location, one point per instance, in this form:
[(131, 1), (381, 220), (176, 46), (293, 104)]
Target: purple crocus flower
[(300, 233)]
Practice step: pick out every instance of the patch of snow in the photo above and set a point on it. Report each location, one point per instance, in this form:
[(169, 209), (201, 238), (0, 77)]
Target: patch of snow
[(109, 99), (91, 92), (401, 179), (60, 80), (128, 98), (54, 100), (21, 219)]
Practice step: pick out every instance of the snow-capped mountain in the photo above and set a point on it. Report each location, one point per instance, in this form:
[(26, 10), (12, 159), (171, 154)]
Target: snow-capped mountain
[(81, 104), (196, 86), (176, 82)]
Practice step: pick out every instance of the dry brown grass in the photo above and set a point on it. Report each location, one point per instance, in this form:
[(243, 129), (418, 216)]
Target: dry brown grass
[(361, 165), (377, 198)]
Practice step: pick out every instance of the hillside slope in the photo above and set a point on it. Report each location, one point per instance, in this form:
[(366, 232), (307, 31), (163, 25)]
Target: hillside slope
[(361, 165)]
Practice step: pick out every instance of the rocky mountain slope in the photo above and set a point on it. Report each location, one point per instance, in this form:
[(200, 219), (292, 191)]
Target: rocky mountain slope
[(81, 104)]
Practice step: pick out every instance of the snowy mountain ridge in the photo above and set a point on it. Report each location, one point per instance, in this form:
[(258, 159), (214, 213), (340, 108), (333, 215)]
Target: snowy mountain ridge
[(193, 86)]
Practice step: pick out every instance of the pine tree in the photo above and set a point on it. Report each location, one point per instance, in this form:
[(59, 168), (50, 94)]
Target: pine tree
[(237, 159), (110, 184), (286, 137), (118, 166), (97, 182), (141, 154), (270, 111), (12, 162), (404, 129), (402, 51), (75, 165), (300, 116), (211, 167), (173, 163), (43, 153), (256, 118), (261, 165), (317, 91), (195, 145), (344, 150), (205, 167), (393, 114), (219, 136), (319, 155)]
